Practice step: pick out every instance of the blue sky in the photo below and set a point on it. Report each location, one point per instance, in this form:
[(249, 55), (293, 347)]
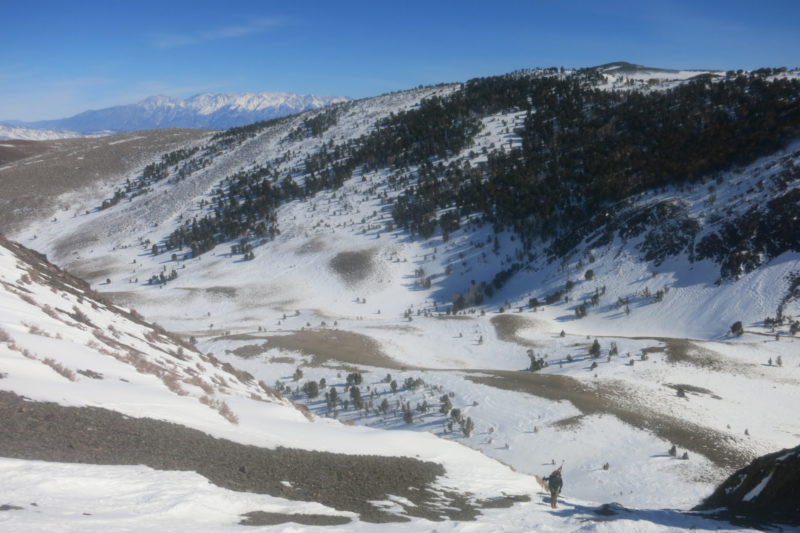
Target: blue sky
[(62, 57)]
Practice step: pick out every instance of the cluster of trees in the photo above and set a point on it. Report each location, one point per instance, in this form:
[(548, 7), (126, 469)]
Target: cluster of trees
[(235, 136), (158, 171), (585, 149), (537, 362), (163, 277), (317, 124), (354, 398), (742, 244)]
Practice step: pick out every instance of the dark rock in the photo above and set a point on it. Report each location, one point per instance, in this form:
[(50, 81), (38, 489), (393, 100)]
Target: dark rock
[(9, 507), (611, 509), (766, 490)]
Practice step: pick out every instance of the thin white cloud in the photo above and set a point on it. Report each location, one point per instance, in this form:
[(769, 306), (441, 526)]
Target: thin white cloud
[(175, 40)]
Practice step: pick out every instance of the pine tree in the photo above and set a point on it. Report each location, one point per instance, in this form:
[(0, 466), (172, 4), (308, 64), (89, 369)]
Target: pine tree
[(594, 351), (355, 396), (446, 405), (468, 427), (311, 389)]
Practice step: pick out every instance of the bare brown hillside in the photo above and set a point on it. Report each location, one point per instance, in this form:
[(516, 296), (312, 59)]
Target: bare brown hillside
[(36, 175)]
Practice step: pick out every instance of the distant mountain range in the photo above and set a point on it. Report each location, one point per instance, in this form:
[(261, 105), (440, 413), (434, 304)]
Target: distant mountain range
[(203, 111)]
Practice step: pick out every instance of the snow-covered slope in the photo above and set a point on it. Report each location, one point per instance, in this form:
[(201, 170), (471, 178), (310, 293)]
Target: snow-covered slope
[(60, 343), (339, 290), (204, 111)]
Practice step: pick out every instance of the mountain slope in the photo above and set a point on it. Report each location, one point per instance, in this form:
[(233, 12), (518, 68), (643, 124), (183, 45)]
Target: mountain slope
[(407, 239), (41, 176), (88, 390), (119, 391), (202, 111)]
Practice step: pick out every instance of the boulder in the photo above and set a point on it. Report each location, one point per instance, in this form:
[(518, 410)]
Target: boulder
[(767, 490)]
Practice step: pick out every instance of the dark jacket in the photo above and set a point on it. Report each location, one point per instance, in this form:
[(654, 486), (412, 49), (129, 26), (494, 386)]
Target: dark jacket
[(554, 481)]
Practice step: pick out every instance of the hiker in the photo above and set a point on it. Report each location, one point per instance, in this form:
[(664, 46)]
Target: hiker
[(554, 483)]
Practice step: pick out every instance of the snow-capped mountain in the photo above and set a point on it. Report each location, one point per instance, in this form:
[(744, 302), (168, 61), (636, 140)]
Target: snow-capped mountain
[(202, 111)]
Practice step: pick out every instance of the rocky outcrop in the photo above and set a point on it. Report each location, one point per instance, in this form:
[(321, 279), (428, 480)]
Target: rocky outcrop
[(766, 490)]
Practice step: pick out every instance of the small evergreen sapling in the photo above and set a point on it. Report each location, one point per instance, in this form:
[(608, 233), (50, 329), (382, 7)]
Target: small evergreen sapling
[(594, 351)]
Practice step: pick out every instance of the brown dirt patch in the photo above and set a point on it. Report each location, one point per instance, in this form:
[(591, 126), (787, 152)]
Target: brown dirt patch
[(404, 329), (685, 351), (225, 335), (311, 246), (263, 518), (571, 423), (287, 360), (14, 150), (42, 431), (692, 388), (122, 298), (354, 267), (718, 447), (326, 345), (249, 350), (222, 292), (507, 326)]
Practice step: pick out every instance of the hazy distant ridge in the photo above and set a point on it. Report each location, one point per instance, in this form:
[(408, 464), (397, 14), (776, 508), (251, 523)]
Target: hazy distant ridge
[(208, 111)]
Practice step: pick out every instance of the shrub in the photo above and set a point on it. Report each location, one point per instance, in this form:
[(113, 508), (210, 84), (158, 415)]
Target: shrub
[(64, 371), (198, 382), (173, 383), (413, 383), (354, 379)]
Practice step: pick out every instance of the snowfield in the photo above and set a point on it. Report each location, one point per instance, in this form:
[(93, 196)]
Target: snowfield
[(340, 292)]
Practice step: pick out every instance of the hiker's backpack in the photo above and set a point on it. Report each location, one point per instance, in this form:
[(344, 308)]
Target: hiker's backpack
[(554, 481)]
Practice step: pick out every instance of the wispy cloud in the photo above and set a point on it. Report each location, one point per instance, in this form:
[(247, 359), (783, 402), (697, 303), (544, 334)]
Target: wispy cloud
[(175, 40)]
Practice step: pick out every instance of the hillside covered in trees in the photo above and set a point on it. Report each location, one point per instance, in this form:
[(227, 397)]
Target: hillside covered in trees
[(582, 151)]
